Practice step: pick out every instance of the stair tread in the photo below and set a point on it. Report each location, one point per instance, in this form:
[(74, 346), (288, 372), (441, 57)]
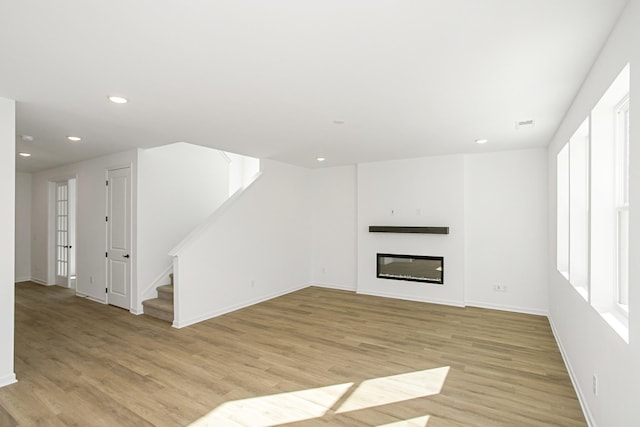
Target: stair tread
[(159, 314), (159, 303)]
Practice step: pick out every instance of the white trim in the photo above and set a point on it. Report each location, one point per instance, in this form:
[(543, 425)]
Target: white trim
[(617, 322), (574, 381), (224, 155), (334, 286), (41, 282), (136, 311), (90, 298), (62, 178), (510, 308), (22, 279), (176, 295), (412, 298), (8, 380), (181, 324)]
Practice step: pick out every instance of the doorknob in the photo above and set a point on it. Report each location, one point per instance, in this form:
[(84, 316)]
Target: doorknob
[(126, 256)]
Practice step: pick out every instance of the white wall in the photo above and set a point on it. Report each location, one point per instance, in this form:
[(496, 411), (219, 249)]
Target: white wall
[(333, 234), (7, 218), (23, 227), (417, 192), (90, 230), (180, 186), (254, 248), (505, 230), (496, 207), (242, 170), (589, 344)]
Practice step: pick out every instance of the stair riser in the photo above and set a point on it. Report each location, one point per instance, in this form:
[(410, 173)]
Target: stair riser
[(159, 314), (168, 296), (161, 307)]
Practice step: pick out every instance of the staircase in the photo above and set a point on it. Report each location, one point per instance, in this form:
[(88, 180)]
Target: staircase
[(161, 307)]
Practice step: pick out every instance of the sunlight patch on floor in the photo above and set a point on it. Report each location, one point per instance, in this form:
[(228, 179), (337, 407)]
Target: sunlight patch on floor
[(296, 406), (413, 422), (275, 409), (396, 388)]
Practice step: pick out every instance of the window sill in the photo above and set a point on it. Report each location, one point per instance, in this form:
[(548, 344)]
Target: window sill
[(617, 324), (582, 291)]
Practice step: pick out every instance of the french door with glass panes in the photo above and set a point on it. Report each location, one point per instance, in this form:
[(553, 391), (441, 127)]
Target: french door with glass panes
[(62, 233)]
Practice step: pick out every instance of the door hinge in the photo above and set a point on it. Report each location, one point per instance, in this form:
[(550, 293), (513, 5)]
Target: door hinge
[(106, 290), (106, 218), (106, 254), (107, 183)]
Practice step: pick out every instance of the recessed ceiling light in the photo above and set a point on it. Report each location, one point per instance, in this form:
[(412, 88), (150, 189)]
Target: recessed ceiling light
[(320, 159), (23, 154), (27, 138), (118, 100), (481, 141), (74, 138)]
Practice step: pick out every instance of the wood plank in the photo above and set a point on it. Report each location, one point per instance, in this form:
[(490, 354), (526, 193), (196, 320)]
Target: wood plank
[(83, 363)]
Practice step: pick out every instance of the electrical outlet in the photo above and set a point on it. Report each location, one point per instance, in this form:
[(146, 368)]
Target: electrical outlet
[(253, 283), (595, 384), (500, 288), (90, 279)]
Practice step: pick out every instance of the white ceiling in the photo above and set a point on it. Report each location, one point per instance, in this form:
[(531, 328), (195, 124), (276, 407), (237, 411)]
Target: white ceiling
[(268, 78)]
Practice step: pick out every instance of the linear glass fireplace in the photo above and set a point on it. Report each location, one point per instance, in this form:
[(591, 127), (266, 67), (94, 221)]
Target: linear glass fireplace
[(414, 268)]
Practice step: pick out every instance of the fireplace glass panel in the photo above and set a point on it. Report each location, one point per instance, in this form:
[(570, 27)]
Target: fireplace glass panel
[(414, 268)]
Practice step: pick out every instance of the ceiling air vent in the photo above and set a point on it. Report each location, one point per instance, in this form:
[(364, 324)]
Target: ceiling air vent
[(524, 124)]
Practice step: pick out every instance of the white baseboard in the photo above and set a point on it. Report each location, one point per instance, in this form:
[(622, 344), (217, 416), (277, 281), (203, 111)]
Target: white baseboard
[(411, 298), (514, 309), (581, 398), (40, 281), (334, 286), (22, 279), (136, 311), (8, 380), (178, 324), (90, 298)]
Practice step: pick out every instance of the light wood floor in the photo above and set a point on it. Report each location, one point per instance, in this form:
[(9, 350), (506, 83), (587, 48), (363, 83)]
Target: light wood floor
[(316, 357)]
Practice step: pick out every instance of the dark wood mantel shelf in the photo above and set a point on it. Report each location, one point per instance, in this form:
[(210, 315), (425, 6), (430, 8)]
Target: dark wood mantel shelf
[(403, 229)]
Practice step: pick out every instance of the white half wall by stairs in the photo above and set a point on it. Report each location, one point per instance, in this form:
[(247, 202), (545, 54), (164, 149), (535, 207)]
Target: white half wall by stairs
[(254, 247)]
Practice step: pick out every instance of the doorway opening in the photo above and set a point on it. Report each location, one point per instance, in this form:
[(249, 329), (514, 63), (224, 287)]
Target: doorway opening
[(62, 232)]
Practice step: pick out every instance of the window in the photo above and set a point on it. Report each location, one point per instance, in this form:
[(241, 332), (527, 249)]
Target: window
[(579, 209), (622, 204), (562, 168), (593, 207), (573, 171)]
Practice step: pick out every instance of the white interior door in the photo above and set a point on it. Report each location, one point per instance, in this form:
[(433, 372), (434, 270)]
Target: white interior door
[(119, 238), (62, 245)]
